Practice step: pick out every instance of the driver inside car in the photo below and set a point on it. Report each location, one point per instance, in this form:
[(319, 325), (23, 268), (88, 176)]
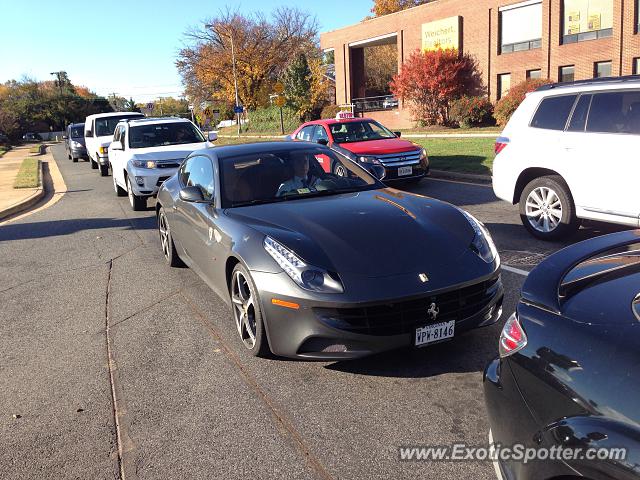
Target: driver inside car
[(300, 182)]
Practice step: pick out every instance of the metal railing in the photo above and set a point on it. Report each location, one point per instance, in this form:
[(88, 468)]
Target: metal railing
[(521, 46)]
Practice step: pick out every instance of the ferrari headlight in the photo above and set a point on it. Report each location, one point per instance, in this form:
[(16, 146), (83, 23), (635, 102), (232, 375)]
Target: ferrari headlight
[(306, 276), (144, 163), (369, 160), (482, 242)]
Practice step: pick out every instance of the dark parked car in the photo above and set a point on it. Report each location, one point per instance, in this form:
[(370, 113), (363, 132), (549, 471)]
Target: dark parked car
[(568, 374), (321, 266), (32, 137), (4, 140), (74, 142)]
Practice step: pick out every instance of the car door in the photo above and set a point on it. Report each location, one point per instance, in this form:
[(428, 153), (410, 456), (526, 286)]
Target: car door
[(319, 133), (601, 142), (114, 159)]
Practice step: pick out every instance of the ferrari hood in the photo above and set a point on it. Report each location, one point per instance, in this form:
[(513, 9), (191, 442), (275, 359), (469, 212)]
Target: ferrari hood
[(374, 233)]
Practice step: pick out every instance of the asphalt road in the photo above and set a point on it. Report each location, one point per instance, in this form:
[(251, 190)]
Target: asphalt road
[(89, 312)]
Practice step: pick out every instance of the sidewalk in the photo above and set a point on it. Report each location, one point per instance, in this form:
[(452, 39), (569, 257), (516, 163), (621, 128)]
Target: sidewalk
[(12, 199)]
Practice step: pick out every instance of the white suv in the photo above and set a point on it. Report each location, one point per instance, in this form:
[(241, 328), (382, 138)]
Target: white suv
[(146, 152), (98, 131), (570, 152)]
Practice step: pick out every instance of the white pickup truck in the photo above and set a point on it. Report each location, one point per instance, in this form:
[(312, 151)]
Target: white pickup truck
[(98, 133)]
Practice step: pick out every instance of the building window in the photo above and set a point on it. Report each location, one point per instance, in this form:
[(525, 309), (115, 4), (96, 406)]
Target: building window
[(521, 26), (636, 65), (601, 69), (586, 20), (567, 74), (504, 84), (534, 74)]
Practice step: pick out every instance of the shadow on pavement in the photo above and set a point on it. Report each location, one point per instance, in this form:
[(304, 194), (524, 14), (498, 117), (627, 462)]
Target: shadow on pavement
[(54, 228)]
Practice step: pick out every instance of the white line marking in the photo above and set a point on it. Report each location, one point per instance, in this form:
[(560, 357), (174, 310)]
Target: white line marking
[(469, 182), (518, 271)]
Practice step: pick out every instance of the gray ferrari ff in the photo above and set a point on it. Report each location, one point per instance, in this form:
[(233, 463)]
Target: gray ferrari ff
[(319, 266)]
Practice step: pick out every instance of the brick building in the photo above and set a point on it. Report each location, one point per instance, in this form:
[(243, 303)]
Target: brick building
[(558, 39)]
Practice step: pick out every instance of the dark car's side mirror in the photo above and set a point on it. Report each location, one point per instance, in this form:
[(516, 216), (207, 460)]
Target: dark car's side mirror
[(323, 141), (397, 134), (191, 195), (88, 133)]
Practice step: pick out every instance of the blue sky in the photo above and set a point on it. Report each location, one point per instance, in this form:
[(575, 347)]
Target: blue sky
[(126, 47)]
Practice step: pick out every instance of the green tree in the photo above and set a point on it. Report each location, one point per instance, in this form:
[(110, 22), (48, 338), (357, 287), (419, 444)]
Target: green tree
[(297, 86)]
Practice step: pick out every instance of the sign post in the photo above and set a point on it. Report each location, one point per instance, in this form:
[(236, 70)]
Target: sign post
[(280, 102)]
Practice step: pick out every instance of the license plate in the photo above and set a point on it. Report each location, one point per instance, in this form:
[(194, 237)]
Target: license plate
[(403, 171), (435, 333)]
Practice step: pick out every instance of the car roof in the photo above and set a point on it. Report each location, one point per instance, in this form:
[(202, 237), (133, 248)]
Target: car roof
[(333, 121), (76, 125), (113, 114), (152, 120), (605, 83), (227, 151)]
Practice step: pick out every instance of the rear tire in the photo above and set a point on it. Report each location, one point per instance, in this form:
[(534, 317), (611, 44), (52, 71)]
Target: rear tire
[(547, 210), (104, 170), (171, 257), (137, 203), (74, 159), (247, 313)]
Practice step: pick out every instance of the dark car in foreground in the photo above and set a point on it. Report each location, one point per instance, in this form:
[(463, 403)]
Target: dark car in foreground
[(568, 375), (321, 266), (74, 142)]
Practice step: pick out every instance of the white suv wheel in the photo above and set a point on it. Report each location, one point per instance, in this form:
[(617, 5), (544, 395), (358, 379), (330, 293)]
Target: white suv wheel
[(544, 209)]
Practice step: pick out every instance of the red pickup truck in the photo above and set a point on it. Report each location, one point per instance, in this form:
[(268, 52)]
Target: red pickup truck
[(368, 143)]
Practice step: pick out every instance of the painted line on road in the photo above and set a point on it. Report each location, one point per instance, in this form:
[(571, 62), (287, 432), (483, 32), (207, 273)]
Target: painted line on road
[(459, 181), (517, 271)]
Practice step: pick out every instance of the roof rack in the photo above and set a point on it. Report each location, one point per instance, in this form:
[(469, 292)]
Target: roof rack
[(627, 78)]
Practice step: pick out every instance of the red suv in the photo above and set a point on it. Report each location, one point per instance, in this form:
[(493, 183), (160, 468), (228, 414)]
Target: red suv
[(369, 144)]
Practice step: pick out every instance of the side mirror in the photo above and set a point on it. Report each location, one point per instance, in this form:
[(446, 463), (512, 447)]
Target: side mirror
[(323, 141), (117, 145), (378, 172), (213, 136), (397, 134), (191, 195), (88, 133)]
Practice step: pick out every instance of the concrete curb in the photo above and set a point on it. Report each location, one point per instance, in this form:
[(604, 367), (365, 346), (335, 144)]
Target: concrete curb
[(28, 202), (462, 177), (451, 135), (43, 150)]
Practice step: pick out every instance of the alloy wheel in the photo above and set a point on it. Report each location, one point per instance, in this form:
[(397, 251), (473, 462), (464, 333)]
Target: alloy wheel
[(244, 310), (165, 235), (544, 209)]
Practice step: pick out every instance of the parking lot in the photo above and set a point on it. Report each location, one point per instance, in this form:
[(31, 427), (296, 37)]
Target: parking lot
[(90, 313)]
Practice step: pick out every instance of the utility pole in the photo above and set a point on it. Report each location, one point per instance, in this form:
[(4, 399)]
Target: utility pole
[(235, 76)]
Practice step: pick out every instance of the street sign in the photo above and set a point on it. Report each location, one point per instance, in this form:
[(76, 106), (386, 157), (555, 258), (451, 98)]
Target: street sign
[(238, 109), (150, 106), (278, 88), (207, 112), (280, 101)]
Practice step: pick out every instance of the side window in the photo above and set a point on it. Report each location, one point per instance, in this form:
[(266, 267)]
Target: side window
[(200, 174), (116, 134), (579, 117), (123, 132), (320, 134), (615, 112), (553, 112), (306, 133)]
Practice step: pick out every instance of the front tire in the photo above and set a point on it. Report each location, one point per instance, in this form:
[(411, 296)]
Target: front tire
[(137, 203), (171, 257), (94, 164), (104, 170), (247, 313), (120, 192), (74, 159), (547, 209)]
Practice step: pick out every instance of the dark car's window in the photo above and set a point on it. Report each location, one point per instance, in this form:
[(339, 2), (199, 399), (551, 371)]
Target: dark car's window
[(198, 172), (553, 112), (106, 125), (359, 131), (160, 134), (279, 176), (76, 132), (579, 116), (615, 112), (306, 133)]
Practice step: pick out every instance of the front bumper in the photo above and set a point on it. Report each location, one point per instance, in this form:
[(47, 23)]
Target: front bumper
[(103, 159), (78, 152), (418, 170), (332, 330), (146, 181)]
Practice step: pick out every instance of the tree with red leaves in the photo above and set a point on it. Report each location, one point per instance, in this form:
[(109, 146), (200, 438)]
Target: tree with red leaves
[(430, 80)]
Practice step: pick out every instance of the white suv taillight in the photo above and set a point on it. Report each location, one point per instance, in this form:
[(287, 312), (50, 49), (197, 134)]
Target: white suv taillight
[(501, 143), (512, 338)]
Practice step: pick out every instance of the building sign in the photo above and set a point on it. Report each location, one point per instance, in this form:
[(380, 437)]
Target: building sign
[(441, 34), (587, 16)]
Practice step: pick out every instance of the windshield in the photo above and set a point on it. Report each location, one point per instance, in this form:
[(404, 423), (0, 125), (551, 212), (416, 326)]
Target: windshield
[(289, 175), (162, 134), (363, 131), (106, 125), (78, 132)]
